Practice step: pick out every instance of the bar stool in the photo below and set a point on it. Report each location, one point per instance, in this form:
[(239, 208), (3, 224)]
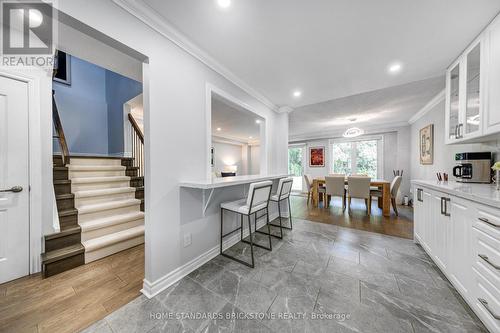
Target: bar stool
[(257, 200), (283, 193)]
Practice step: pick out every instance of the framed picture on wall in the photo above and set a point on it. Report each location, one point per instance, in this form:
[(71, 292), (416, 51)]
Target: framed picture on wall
[(62, 67), (427, 145), (317, 157)]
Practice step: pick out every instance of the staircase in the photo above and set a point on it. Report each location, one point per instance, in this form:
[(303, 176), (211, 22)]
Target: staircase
[(100, 202), (109, 214)]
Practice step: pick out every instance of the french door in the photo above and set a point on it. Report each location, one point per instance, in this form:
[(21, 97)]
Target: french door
[(296, 161)]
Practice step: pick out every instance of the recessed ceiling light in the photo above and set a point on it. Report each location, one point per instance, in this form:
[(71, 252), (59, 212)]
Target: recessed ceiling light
[(219, 129), (250, 137), (395, 67), (258, 121), (297, 93), (224, 3), (353, 132)]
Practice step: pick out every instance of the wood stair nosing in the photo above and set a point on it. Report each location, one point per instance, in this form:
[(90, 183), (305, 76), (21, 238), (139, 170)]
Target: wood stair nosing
[(60, 260), (64, 232)]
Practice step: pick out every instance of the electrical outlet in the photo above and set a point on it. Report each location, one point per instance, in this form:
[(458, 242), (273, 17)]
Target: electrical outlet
[(187, 239)]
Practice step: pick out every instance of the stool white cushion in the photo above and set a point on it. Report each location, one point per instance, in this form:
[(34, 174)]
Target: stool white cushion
[(284, 187), (240, 206)]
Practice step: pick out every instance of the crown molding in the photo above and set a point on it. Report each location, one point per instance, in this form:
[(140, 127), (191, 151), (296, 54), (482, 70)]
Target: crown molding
[(428, 107), (149, 17), (285, 109), (325, 135)]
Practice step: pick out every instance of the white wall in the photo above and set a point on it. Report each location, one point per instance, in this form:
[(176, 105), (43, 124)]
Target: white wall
[(174, 104), (444, 155), (229, 154), (254, 163)]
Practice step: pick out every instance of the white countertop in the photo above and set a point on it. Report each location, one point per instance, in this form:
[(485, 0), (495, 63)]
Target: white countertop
[(229, 181), (482, 193)]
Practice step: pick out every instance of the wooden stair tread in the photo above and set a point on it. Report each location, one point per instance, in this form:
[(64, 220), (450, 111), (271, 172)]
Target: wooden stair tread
[(64, 232), (65, 196), (60, 168), (66, 252), (62, 182), (68, 212)]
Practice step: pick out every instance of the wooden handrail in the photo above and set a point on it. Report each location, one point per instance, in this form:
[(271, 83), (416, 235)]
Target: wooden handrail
[(59, 130), (136, 127)]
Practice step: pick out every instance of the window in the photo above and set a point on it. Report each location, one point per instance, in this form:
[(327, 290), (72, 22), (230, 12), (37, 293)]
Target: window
[(296, 166), (356, 157)]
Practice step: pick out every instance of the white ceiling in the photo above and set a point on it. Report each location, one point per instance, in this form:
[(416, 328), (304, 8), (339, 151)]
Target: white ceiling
[(329, 48), (235, 123), (373, 111)]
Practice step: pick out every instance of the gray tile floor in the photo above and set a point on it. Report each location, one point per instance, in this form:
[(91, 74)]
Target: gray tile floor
[(320, 278)]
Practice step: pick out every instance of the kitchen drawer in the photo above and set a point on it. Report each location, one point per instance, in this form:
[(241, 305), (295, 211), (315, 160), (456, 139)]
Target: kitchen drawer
[(488, 221), (486, 256), (486, 300)]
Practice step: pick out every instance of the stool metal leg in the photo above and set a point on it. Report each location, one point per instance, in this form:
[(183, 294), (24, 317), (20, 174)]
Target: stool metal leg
[(222, 235), (270, 248), (290, 213), (279, 212)]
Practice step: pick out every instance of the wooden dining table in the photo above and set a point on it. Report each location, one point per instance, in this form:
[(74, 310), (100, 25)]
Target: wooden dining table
[(383, 185)]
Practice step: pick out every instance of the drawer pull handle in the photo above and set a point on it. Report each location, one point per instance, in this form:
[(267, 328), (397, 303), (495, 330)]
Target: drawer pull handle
[(487, 307), (482, 219), (485, 258)]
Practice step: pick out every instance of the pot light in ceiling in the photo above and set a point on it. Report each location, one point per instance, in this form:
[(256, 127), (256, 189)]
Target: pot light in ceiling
[(353, 132), (297, 93), (395, 68), (250, 137), (224, 3), (219, 129), (258, 121)]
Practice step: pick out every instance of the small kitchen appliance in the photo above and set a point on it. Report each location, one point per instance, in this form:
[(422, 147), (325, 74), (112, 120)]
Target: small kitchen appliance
[(473, 167)]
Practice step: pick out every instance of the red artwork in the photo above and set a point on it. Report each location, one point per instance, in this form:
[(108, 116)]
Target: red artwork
[(317, 157)]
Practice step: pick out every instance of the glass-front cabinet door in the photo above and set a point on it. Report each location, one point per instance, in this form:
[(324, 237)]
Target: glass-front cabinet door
[(453, 102), (473, 92)]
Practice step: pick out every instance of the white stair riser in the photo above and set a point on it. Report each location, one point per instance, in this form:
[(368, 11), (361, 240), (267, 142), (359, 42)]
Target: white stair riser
[(108, 250), (108, 213), (79, 202), (95, 161), (98, 186), (91, 234), (96, 173)]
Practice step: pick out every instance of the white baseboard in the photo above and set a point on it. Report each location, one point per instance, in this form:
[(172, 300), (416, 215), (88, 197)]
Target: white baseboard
[(151, 289)]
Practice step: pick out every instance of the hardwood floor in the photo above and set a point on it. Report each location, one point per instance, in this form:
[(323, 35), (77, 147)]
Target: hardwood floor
[(71, 301), (401, 226)]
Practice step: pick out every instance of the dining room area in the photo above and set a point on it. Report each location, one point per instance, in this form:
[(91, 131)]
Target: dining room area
[(357, 183)]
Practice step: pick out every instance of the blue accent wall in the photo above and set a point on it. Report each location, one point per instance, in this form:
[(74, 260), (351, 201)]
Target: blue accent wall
[(91, 108), (119, 90), (83, 108)]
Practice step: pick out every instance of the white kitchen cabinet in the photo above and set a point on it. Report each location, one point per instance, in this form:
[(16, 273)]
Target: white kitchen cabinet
[(492, 108), (460, 245), (462, 236), (465, 84)]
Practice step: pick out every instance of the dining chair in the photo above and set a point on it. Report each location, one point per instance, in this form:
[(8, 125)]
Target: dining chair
[(335, 187), (359, 188), (309, 185), (395, 185), (256, 201)]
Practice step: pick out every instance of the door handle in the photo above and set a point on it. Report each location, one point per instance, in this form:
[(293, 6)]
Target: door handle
[(487, 307), (15, 189), (419, 195), (460, 130), (485, 258), (444, 206)]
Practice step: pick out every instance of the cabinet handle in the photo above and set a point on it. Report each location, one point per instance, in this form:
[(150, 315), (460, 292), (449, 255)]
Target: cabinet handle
[(485, 220), (456, 132), (444, 206), (485, 258), (419, 195), (487, 307), (460, 131)]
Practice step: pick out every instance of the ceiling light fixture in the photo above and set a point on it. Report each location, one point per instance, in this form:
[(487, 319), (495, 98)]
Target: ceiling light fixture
[(395, 67), (297, 93), (224, 3), (219, 129), (258, 121), (250, 137), (353, 132)]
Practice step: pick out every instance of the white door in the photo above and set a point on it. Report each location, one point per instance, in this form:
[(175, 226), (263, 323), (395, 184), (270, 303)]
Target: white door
[(14, 202)]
